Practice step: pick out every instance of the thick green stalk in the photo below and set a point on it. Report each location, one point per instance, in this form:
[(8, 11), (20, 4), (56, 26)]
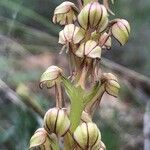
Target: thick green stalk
[(75, 113), (75, 95)]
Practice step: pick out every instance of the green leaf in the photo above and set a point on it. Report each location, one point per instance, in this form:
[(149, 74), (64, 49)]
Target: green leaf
[(75, 95), (72, 91)]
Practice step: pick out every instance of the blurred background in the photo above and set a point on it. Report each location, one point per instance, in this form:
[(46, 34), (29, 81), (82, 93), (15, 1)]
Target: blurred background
[(28, 45)]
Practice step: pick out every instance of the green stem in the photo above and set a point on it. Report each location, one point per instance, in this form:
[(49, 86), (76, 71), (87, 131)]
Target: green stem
[(75, 95), (75, 113), (58, 92)]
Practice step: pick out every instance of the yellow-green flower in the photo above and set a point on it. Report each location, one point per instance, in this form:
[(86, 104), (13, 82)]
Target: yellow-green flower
[(93, 15), (50, 76), (121, 30), (87, 135), (111, 84), (40, 140), (65, 13), (89, 49), (56, 121), (71, 34)]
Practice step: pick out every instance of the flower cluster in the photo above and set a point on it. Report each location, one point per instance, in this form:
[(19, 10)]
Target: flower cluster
[(86, 34)]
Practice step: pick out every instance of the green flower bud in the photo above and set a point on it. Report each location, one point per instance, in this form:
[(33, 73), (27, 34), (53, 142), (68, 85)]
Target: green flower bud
[(89, 49), (86, 135), (111, 84), (40, 140), (93, 15), (105, 41), (56, 121), (50, 76), (121, 30), (71, 33), (65, 13)]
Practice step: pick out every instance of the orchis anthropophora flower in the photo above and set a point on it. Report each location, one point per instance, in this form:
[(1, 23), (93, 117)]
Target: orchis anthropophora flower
[(56, 121), (89, 49), (93, 15), (87, 135), (121, 30), (40, 140), (65, 13), (87, 31), (71, 34)]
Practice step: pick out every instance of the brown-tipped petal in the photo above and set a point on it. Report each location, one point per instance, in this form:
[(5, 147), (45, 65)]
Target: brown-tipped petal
[(104, 20), (83, 17), (121, 30), (50, 76)]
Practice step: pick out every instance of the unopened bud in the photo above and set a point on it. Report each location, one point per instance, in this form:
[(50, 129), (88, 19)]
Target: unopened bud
[(40, 140), (121, 30), (56, 121), (105, 41), (93, 15), (50, 76), (71, 33), (86, 135), (89, 49), (65, 13), (111, 84)]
